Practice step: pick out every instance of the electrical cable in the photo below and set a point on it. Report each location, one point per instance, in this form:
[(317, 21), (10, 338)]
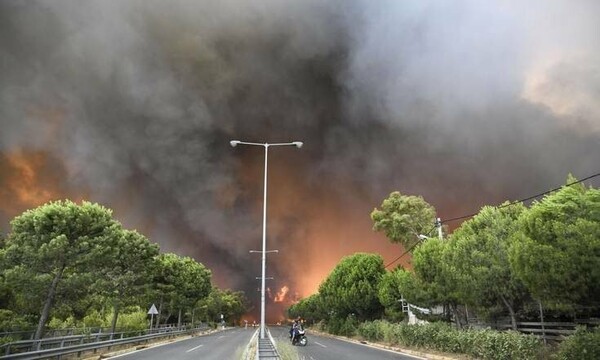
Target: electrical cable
[(499, 207), (523, 200), (412, 247)]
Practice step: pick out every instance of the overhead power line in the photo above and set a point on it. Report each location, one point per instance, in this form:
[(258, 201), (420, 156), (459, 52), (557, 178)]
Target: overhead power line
[(499, 207), (525, 199), (412, 247)]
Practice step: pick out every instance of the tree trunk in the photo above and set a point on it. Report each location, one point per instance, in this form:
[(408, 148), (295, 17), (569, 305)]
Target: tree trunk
[(513, 318), (48, 304), (457, 316), (542, 321), (179, 319), (115, 317)]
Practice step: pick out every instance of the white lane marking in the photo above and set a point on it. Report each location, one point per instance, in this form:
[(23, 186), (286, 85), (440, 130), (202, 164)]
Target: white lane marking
[(194, 348), (319, 344), (312, 358), (144, 349), (222, 336)]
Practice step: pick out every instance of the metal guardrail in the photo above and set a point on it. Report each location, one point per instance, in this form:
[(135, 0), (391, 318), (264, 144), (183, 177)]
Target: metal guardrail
[(54, 333), (83, 347), (550, 330), (266, 349)]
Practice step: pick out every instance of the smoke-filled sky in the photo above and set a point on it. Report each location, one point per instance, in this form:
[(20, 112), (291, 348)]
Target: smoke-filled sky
[(132, 104)]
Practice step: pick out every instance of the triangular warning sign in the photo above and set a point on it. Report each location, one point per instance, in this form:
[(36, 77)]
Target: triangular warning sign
[(152, 310)]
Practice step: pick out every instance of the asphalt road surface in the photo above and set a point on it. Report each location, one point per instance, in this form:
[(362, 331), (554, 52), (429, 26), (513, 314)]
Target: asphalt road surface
[(325, 348), (222, 345)]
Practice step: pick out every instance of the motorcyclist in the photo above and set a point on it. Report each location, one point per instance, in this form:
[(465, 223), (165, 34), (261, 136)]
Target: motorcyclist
[(296, 325)]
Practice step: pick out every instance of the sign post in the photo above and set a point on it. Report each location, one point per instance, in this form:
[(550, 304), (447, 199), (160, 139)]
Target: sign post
[(152, 312)]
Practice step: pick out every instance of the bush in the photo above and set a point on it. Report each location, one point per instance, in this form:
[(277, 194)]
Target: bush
[(485, 344), (57, 323), (9, 321), (490, 344), (94, 320), (349, 326), (582, 345), (371, 331), (135, 319)]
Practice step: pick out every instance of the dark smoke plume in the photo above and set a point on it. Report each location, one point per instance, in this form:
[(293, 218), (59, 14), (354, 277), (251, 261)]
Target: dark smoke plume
[(133, 103)]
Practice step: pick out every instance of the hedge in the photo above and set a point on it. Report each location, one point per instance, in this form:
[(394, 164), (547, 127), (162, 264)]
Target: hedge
[(481, 344)]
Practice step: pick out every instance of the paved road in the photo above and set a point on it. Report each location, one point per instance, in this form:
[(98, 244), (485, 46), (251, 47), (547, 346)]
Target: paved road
[(223, 345), (324, 348)]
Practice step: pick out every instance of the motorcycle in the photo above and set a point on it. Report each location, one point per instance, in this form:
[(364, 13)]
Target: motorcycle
[(299, 337)]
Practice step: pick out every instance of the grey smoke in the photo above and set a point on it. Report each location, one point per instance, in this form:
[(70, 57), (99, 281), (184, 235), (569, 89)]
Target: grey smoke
[(417, 96)]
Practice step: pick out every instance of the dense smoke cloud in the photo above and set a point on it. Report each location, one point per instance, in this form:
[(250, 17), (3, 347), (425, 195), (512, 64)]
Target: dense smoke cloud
[(134, 102)]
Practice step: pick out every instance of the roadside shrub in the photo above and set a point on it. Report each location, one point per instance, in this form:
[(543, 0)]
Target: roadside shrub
[(344, 327), (582, 345), (9, 321), (334, 325), (481, 344), (6, 340), (490, 344), (57, 323), (132, 319), (371, 330), (320, 326), (349, 326), (94, 320)]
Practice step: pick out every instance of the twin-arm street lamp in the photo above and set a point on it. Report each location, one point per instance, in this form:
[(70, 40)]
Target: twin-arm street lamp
[(235, 143)]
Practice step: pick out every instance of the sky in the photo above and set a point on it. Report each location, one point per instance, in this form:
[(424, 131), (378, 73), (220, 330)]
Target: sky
[(132, 104)]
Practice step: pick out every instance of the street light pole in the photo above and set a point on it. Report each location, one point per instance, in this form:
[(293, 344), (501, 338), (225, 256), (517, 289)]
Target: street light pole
[(234, 143), (264, 250)]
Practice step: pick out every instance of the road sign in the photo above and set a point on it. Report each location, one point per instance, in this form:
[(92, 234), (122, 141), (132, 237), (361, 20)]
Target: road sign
[(152, 310)]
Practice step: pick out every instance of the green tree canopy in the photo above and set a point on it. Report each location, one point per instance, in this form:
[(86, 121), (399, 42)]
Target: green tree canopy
[(479, 253), (352, 287), (435, 275), (130, 272), (179, 283), (403, 218), (557, 253), (56, 243), (310, 308), (390, 296), (231, 304)]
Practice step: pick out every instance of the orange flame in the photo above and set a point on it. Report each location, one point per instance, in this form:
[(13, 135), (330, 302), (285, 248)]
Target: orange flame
[(23, 183), (280, 297)]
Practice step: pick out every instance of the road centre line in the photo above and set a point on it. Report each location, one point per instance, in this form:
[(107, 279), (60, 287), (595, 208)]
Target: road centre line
[(319, 344), (194, 348)]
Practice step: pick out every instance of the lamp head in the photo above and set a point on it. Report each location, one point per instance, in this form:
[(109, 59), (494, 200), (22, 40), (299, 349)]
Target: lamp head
[(298, 144), (234, 143)]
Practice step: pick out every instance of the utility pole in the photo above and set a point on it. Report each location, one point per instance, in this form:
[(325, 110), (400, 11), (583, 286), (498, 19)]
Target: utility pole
[(438, 224)]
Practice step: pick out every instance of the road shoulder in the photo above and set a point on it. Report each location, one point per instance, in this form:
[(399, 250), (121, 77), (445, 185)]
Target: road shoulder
[(406, 351), (131, 349)]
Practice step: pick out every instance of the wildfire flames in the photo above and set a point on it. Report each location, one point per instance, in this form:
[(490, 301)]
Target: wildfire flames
[(28, 178), (132, 104), (280, 296)]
